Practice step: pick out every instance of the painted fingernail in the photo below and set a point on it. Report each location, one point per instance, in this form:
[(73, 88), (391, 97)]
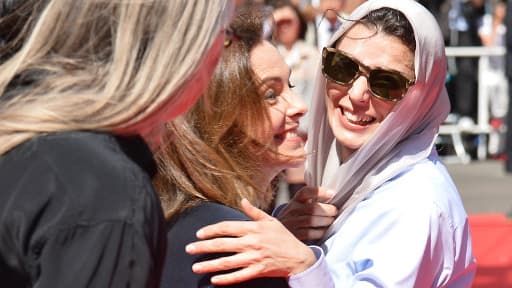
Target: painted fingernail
[(200, 233)]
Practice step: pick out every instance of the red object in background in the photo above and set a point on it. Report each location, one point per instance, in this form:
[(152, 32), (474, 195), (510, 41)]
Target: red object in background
[(492, 246)]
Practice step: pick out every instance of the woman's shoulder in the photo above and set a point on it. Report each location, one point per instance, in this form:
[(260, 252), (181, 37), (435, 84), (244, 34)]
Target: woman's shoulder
[(427, 174), (425, 183), (63, 173), (206, 213), (78, 147), (425, 188), (182, 231), (88, 152), (70, 156), (83, 165)]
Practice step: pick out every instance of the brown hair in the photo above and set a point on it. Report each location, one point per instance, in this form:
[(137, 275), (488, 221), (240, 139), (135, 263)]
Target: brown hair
[(213, 153)]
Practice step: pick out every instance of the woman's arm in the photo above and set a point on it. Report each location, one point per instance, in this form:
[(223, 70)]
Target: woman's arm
[(264, 247)]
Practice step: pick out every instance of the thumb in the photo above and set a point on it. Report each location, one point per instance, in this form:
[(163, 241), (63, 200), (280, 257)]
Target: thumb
[(313, 194), (253, 212), (325, 194)]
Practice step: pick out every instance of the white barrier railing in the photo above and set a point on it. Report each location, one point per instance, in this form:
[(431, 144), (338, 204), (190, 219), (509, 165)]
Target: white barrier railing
[(482, 126)]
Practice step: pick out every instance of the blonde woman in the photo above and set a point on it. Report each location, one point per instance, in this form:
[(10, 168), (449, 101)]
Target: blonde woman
[(85, 89), (230, 146)]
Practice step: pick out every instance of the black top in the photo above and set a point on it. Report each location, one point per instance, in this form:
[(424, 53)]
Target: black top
[(77, 209), (178, 266)]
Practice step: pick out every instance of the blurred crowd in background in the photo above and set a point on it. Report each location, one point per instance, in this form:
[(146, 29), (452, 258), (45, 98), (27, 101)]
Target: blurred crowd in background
[(302, 27)]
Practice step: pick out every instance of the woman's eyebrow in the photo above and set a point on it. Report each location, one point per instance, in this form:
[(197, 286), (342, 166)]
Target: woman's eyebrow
[(276, 78), (271, 79)]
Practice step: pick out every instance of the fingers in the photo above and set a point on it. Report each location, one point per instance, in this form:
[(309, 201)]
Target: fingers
[(308, 222), (236, 277), (306, 194), (321, 209), (253, 212), (220, 264), (216, 245), (224, 228), (308, 228), (253, 261), (310, 234), (313, 194), (313, 209), (229, 263), (324, 194), (235, 228)]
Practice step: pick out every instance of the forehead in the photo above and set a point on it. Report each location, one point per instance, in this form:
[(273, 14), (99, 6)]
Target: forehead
[(266, 61), (377, 49), (284, 12), (331, 4)]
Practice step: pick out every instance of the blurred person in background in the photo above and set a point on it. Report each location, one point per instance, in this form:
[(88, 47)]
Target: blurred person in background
[(470, 13), (329, 15), (327, 21), (301, 57), (85, 90), (508, 45), (492, 34), (230, 146)]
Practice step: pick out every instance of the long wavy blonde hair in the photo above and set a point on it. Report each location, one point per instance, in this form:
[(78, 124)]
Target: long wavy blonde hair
[(97, 64)]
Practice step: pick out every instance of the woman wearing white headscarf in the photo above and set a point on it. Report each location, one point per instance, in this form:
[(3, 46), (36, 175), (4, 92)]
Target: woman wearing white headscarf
[(375, 116)]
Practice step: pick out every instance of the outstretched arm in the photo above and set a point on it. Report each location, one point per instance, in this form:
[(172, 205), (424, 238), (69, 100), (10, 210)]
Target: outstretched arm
[(264, 247)]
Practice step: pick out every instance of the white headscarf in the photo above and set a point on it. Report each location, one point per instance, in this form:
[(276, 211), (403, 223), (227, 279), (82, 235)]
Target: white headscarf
[(407, 134)]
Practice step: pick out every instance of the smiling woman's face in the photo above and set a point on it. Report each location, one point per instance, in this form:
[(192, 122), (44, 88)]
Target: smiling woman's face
[(285, 107), (353, 113)]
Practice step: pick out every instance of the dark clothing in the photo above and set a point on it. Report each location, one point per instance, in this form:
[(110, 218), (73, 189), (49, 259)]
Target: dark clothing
[(178, 266), (78, 210), (465, 100), (464, 97)]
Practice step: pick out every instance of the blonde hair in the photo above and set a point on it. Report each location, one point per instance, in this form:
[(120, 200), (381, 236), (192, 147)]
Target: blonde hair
[(99, 64), (215, 153)]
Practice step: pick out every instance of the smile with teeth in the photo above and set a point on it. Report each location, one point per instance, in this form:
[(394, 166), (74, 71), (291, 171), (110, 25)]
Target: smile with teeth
[(286, 135), (358, 119)]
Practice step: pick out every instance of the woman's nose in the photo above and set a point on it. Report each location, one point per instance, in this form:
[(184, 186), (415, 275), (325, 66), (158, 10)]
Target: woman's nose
[(296, 106), (359, 91)]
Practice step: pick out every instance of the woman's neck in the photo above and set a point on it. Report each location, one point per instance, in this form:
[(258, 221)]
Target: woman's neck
[(344, 153), (265, 178)]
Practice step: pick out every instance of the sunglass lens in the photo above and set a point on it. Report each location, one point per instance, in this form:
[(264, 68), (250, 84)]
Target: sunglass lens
[(339, 67), (387, 85)]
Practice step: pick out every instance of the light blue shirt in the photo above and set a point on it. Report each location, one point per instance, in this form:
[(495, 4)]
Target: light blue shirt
[(410, 232)]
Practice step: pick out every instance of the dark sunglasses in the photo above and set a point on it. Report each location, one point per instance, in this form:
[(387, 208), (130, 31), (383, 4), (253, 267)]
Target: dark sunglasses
[(384, 84)]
